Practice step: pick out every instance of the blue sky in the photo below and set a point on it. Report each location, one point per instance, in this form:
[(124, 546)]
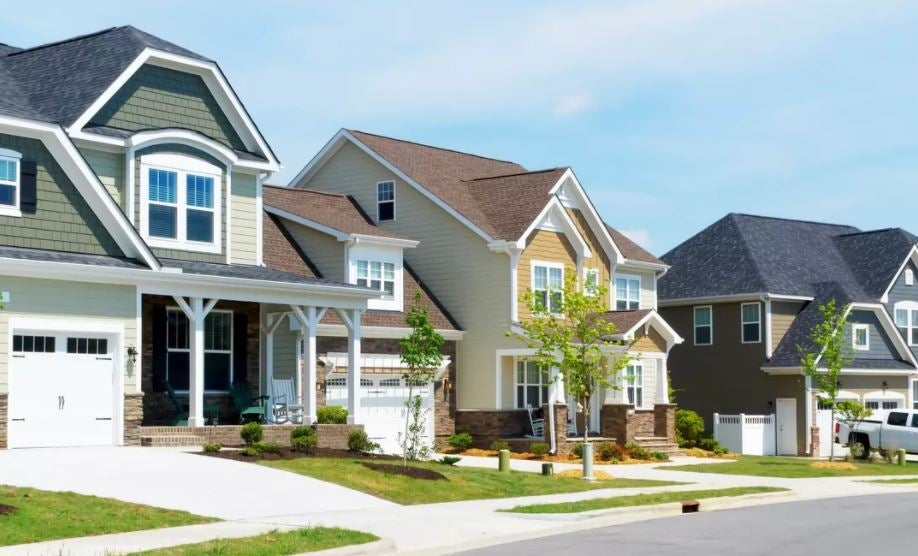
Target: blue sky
[(672, 113)]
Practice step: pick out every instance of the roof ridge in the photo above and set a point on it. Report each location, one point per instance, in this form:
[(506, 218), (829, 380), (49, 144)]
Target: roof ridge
[(879, 231), (748, 251), (784, 219), (63, 41), (306, 190), (433, 147), (526, 173)]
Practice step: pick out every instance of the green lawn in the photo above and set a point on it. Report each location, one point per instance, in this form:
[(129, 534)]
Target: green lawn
[(41, 516), (638, 500), (793, 468), (274, 543), (463, 483), (894, 481)]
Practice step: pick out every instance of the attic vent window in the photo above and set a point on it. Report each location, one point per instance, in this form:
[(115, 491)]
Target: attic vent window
[(909, 277), (385, 201)]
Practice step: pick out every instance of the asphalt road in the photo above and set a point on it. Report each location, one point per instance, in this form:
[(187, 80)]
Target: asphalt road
[(854, 525)]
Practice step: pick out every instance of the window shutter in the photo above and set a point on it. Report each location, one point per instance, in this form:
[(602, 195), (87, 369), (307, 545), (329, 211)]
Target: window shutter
[(240, 346), (159, 348), (28, 186)]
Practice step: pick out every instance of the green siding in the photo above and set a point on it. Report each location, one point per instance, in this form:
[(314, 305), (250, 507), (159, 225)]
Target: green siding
[(156, 97), (63, 221), (176, 253)]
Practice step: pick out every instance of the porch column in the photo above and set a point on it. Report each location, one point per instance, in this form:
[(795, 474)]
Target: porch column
[(272, 322), (306, 365), (196, 311), (663, 384), (351, 319)]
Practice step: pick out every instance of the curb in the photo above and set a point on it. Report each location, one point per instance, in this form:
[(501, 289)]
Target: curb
[(382, 546)]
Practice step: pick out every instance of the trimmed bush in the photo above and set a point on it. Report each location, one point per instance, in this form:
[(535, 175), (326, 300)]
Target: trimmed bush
[(212, 447), (450, 460), (304, 443), (251, 433), (249, 452), (359, 443), (710, 445), (689, 428), (331, 415), (268, 448), (299, 431), (577, 450), (539, 449), (636, 451), (499, 445), (460, 441), (659, 456), (609, 451)]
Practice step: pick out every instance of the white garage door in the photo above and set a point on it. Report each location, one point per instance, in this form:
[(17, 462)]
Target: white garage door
[(61, 390), (382, 407)]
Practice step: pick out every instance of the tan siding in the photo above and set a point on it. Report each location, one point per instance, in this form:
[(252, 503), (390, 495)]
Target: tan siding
[(244, 219), (109, 167), (652, 342), (543, 246), (471, 281), (598, 258), (49, 299), (782, 316), (648, 295), (326, 252)]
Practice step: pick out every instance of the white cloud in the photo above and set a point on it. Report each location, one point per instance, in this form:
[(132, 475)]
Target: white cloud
[(639, 236), (572, 105)]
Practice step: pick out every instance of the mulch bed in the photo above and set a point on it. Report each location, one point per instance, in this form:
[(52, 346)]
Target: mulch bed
[(413, 472), (288, 453), (6, 510)]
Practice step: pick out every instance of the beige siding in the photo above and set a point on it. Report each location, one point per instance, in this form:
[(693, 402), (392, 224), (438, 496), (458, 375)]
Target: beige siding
[(648, 285), (782, 316), (471, 281), (109, 167), (598, 258), (543, 246), (326, 252), (54, 299), (646, 343), (244, 219)]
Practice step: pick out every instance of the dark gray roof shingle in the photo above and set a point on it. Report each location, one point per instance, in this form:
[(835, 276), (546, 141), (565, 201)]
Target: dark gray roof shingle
[(252, 272), (25, 253)]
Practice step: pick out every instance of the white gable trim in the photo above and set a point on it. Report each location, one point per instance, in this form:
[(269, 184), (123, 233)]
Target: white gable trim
[(654, 320), (912, 256), (583, 202), (87, 183), (338, 140), (214, 79), (554, 218)]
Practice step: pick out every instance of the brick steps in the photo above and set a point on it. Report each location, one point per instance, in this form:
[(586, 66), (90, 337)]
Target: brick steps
[(658, 444)]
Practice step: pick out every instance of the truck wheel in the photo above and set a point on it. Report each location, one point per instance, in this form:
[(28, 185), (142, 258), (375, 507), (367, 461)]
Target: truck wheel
[(860, 448)]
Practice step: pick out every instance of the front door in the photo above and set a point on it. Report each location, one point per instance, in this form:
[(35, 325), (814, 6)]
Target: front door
[(786, 417)]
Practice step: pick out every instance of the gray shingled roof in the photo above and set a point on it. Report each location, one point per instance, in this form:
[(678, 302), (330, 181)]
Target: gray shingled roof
[(742, 254), (25, 253), (253, 272)]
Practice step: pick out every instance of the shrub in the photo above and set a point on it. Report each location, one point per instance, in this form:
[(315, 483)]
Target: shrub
[(636, 451), (251, 433), (303, 439), (499, 445), (302, 431), (249, 452), (539, 448), (268, 448), (211, 447), (331, 415), (577, 450), (359, 443), (710, 445), (461, 441), (660, 456), (609, 451), (689, 428), (450, 460)]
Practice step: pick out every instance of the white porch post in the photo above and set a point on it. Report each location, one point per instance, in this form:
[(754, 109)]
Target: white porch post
[(663, 384), (272, 322), (351, 319), (196, 312), (310, 378)]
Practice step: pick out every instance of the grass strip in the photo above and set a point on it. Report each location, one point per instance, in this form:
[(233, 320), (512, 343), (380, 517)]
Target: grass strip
[(273, 543), (793, 468), (910, 481)]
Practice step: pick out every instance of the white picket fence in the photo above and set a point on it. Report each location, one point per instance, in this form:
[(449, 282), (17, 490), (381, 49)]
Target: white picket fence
[(746, 434)]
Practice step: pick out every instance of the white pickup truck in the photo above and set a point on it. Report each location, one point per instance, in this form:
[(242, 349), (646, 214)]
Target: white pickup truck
[(897, 428)]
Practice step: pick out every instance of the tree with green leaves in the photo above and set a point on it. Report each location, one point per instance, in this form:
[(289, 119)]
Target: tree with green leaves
[(570, 332), (854, 413), (421, 357), (829, 354)]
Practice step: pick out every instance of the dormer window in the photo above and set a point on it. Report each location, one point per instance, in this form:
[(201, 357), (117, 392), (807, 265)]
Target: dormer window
[(376, 275), (906, 316), (9, 182), (385, 201)]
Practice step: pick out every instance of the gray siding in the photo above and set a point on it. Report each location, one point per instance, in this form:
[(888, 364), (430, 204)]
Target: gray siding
[(326, 252), (63, 221), (881, 347), (901, 292), (244, 217)]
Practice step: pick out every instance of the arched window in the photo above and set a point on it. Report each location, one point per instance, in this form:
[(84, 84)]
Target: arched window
[(909, 277)]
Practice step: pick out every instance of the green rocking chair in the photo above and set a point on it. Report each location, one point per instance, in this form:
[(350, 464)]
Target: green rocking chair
[(250, 407), (211, 411)]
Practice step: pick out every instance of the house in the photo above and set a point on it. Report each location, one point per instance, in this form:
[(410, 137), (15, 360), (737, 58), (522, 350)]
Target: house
[(479, 232), (133, 283), (745, 293)]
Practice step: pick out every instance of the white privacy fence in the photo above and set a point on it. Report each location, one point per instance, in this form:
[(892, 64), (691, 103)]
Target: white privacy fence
[(746, 434)]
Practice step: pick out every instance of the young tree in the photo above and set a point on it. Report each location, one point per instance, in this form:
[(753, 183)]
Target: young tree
[(828, 355), (575, 339), (855, 413), (421, 356)]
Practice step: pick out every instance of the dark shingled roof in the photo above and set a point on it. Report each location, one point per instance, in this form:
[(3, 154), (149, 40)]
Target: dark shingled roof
[(630, 249), (252, 272), (875, 257), (282, 252), (625, 320), (25, 253)]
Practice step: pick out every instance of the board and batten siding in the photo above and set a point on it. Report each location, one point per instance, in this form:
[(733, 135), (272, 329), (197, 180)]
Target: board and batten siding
[(244, 218), (783, 314), (109, 168), (325, 252), (542, 246), (56, 299), (472, 282)]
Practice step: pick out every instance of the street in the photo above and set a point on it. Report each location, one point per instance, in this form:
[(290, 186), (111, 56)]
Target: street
[(852, 525)]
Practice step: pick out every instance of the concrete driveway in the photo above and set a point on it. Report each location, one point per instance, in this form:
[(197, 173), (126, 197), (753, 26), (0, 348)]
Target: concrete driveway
[(176, 479)]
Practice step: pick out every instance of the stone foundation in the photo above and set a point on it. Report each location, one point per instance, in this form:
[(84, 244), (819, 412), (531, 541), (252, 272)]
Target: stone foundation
[(133, 418), (665, 421), (814, 443), (486, 426), (3, 420), (561, 444), (624, 424), (334, 436)]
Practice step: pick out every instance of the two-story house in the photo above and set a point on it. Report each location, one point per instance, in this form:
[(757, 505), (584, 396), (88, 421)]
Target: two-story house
[(483, 232), (745, 292), (132, 269)]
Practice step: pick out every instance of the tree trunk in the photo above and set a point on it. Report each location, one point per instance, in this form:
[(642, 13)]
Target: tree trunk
[(586, 419), (407, 421), (831, 434)]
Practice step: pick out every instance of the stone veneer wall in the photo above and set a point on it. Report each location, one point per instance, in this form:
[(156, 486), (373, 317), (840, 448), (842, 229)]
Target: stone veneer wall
[(665, 421), (335, 436), (486, 426), (617, 423), (3, 419), (133, 418), (562, 445)]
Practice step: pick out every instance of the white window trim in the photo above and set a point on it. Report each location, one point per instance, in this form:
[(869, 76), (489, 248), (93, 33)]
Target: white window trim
[(909, 277), (758, 322), (910, 322), (855, 327), (16, 157), (382, 275), (586, 279), (696, 326), (547, 264), (544, 382), (634, 386), (206, 351), (182, 165), (627, 277), (394, 215)]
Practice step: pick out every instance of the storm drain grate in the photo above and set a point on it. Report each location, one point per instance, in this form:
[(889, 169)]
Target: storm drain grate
[(691, 506)]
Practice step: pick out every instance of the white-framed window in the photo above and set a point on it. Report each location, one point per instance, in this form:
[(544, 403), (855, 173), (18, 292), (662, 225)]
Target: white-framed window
[(751, 316), (906, 317), (703, 318), (909, 277), (181, 203), (218, 350), (9, 182), (390, 382), (860, 337), (336, 381), (531, 385), (376, 275), (366, 382), (881, 404), (634, 384), (627, 292), (591, 281), (385, 201), (548, 286)]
